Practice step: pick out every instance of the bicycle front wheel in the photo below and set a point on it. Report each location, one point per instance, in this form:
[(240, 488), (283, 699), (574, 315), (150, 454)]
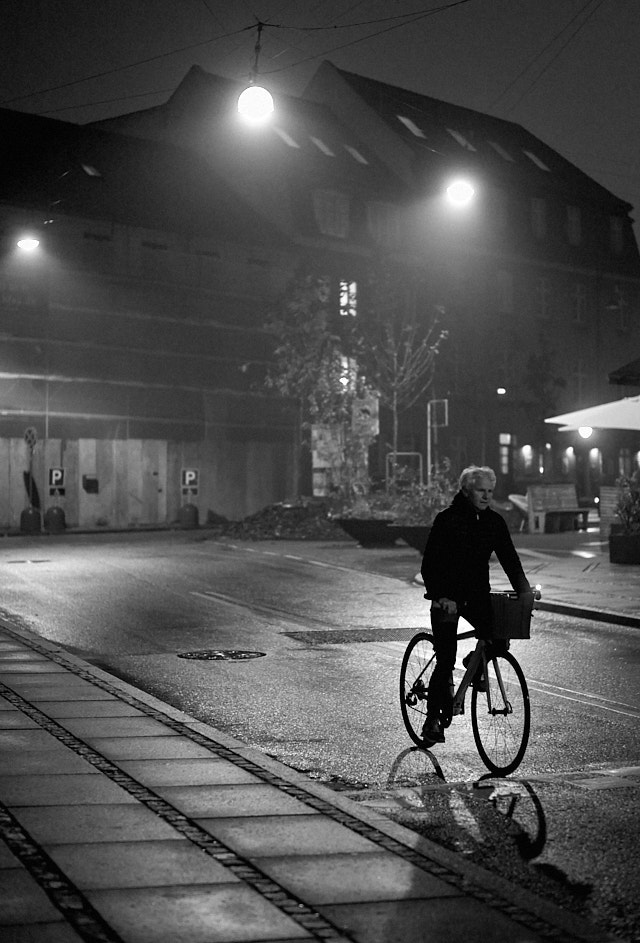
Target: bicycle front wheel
[(415, 673), (501, 716)]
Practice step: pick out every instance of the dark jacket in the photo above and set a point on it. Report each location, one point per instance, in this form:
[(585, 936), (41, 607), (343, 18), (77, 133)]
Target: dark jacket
[(456, 559)]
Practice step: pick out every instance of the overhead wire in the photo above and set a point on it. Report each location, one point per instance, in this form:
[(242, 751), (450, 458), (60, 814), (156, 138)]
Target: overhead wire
[(407, 17), (538, 56)]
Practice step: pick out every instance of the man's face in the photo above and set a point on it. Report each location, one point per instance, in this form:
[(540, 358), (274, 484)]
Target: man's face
[(481, 493)]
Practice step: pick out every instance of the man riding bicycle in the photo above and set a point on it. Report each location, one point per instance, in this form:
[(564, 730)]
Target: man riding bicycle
[(455, 569)]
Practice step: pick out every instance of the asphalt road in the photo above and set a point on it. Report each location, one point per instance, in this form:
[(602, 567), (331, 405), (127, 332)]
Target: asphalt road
[(319, 692)]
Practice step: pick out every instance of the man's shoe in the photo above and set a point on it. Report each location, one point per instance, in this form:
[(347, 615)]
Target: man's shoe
[(432, 731)]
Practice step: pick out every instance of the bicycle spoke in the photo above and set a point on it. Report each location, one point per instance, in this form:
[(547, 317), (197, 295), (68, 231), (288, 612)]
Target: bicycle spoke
[(501, 727)]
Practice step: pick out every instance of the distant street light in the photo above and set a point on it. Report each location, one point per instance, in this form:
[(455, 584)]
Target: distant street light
[(460, 192), (28, 243), (585, 432)]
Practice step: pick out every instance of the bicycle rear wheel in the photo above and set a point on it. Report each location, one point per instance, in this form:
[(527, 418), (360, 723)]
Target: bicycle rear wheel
[(501, 727), (415, 673)]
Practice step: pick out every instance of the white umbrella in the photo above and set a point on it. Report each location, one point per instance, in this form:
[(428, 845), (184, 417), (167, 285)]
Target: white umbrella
[(620, 414)]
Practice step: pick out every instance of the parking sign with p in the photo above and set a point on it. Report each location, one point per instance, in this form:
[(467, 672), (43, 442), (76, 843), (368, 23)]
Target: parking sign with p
[(190, 479)]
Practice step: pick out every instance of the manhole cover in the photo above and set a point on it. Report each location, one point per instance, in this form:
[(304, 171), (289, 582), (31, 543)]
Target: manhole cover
[(217, 654)]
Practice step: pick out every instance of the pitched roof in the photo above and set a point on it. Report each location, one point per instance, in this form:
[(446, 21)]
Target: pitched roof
[(54, 167), (436, 129)]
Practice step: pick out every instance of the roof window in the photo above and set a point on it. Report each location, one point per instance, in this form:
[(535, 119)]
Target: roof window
[(461, 139), (322, 147), (499, 149), (355, 154), (408, 123), (536, 160), (286, 138)]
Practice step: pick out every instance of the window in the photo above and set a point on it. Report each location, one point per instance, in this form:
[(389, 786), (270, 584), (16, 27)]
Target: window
[(504, 291), (348, 299), (574, 225), (355, 154), (412, 126), (499, 149), (461, 139), (536, 160), (579, 303), (504, 440), (331, 210), (539, 217), (543, 297), (383, 222), (616, 234), (322, 147), (288, 140)]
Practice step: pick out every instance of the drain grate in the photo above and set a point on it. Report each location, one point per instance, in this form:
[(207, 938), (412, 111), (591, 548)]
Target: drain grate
[(348, 636), (221, 654)]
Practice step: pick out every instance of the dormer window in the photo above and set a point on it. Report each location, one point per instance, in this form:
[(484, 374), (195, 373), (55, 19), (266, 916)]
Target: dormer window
[(536, 160), (412, 126), (461, 139)]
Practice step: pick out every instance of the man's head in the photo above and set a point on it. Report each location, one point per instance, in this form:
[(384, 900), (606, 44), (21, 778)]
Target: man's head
[(477, 483)]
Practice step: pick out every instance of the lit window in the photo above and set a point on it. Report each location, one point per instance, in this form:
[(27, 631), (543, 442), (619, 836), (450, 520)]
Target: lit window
[(348, 299), (574, 225), (461, 139), (499, 149), (322, 147), (355, 154), (505, 452), (536, 160), (286, 138), (408, 123), (331, 210)]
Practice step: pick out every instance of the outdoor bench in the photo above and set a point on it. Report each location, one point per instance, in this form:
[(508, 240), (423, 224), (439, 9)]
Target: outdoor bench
[(552, 508)]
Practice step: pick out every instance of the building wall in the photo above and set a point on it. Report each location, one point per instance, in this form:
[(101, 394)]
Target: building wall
[(132, 352)]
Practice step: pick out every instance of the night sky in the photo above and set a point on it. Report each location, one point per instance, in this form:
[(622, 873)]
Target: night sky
[(568, 70)]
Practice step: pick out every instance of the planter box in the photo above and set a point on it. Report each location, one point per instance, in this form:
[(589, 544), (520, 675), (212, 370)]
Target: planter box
[(416, 535), (369, 532), (624, 548)]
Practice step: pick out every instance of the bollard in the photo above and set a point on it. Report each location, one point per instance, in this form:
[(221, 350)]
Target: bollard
[(188, 515), (54, 520), (30, 522)]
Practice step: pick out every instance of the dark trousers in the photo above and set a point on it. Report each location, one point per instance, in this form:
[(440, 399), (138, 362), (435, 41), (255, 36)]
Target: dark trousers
[(445, 642)]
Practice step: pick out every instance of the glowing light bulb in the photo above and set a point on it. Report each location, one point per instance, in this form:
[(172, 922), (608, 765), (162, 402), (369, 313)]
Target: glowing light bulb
[(585, 432), (460, 192), (28, 243), (255, 104)]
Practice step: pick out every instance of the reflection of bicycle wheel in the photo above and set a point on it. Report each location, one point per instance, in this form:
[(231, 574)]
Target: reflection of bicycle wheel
[(501, 717), (415, 768), (523, 813), (415, 673)]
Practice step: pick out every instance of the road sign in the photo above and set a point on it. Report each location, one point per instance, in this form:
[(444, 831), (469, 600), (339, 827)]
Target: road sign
[(190, 479), (56, 481)]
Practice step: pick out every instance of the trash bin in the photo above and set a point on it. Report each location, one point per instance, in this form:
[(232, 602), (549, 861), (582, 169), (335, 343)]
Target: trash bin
[(30, 521), (54, 520), (188, 515)]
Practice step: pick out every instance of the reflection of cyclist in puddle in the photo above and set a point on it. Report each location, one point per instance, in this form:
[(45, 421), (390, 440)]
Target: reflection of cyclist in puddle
[(455, 569)]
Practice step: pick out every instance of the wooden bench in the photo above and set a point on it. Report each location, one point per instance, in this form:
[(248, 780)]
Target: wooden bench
[(552, 508)]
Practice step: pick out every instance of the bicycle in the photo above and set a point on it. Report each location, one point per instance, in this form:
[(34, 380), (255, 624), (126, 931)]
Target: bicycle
[(500, 708)]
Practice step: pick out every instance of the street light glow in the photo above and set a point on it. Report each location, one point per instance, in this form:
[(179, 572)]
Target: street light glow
[(28, 243), (255, 104), (460, 192), (585, 432)]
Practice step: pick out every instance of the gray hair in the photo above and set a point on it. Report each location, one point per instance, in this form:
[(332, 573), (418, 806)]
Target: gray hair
[(471, 474)]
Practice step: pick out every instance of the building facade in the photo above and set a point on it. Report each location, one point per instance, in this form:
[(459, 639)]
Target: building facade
[(134, 342)]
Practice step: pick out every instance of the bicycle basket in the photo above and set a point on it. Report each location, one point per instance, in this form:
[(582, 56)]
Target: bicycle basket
[(511, 616)]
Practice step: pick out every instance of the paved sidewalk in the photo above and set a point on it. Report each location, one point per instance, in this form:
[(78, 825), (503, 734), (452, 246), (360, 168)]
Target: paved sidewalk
[(124, 820)]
